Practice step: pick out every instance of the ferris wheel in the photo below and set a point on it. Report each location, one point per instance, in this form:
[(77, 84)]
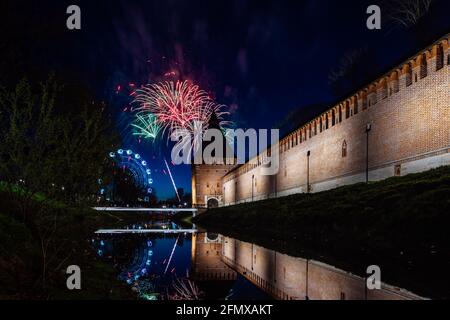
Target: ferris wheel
[(136, 165)]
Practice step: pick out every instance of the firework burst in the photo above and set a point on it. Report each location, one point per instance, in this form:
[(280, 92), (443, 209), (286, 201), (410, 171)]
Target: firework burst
[(178, 106), (145, 126), (185, 289)]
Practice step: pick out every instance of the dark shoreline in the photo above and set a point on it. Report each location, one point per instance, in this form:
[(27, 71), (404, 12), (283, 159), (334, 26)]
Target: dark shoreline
[(21, 255), (399, 224)]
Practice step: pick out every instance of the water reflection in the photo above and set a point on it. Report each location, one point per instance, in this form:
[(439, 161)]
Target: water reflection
[(166, 262), (172, 266)]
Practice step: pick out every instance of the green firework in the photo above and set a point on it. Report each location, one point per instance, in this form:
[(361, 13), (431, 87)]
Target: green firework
[(146, 126)]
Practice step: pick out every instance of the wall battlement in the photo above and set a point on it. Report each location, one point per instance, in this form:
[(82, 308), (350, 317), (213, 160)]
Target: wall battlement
[(409, 114)]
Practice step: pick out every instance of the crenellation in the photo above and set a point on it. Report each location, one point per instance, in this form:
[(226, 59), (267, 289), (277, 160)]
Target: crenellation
[(409, 114), (403, 126)]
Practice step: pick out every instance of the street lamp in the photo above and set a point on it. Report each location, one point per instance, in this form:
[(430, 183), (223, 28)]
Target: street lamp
[(253, 184), (275, 179), (368, 128), (308, 189)]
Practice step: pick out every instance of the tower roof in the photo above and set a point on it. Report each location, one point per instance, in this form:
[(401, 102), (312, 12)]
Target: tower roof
[(214, 123)]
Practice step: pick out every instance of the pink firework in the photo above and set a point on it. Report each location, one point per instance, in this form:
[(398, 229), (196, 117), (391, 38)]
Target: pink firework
[(178, 105)]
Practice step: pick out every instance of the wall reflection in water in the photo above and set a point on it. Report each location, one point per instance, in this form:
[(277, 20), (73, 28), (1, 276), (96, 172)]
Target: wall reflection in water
[(181, 266), (291, 278), (172, 266)]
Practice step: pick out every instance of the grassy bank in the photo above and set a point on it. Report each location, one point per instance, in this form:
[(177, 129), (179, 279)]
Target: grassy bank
[(39, 242), (401, 224)]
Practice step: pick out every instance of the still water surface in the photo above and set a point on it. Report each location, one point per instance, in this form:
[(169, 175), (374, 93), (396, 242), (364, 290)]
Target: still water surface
[(159, 262)]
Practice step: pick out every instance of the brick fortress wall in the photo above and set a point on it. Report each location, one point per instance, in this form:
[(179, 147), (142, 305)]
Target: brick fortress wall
[(207, 183), (408, 110)]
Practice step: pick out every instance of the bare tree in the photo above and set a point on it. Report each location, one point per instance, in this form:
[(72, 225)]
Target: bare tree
[(352, 71), (347, 63), (407, 13)]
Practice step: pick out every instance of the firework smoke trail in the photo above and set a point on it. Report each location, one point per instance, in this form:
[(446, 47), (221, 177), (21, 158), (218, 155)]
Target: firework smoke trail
[(173, 181), (171, 254)]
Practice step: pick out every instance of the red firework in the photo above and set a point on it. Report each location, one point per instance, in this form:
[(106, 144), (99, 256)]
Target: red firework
[(178, 105)]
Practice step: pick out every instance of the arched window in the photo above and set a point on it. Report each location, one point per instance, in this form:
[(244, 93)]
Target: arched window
[(355, 105), (373, 96), (395, 84), (408, 74), (344, 149), (347, 110), (364, 102), (326, 122), (333, 117), (340, 113), (423, 66), (439, 57), (384, 90)]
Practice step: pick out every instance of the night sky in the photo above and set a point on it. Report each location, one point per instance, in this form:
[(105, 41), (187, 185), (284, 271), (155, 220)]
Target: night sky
[(263, 59)]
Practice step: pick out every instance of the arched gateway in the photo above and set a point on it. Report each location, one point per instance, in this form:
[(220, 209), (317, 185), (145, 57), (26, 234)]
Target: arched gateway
[(212, 203)]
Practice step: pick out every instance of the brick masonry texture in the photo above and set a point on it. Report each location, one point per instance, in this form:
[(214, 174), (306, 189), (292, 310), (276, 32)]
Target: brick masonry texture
[(409, 113), (290, 278)]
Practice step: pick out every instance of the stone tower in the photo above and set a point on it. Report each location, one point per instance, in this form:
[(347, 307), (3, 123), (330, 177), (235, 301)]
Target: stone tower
[(207, 264), (207, 188)]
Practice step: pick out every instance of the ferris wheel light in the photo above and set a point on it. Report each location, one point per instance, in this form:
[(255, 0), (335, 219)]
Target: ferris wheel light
[(137, 166)]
